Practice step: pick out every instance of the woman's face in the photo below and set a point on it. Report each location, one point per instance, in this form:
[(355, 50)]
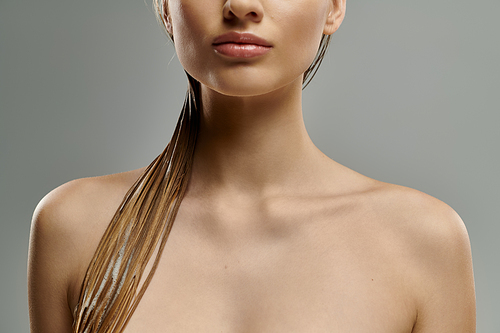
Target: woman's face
[(250, 47)]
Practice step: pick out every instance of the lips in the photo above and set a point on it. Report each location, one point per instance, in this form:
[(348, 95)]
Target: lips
[(241, 45)]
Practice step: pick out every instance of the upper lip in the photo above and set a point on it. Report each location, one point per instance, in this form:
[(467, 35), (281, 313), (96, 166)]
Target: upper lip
[(240, 38)]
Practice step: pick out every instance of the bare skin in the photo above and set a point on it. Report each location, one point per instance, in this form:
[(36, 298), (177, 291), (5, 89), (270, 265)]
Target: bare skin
[(272, 236), (369, 257)]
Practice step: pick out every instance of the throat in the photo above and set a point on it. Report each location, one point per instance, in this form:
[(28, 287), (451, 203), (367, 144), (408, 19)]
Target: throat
[(252, 143)]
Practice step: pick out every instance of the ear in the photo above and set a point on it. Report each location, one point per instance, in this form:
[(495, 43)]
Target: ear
[(166, 17), (168, 24), (336, 13)]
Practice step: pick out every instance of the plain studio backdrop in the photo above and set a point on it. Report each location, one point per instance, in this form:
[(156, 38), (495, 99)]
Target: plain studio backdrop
[(408, 94)]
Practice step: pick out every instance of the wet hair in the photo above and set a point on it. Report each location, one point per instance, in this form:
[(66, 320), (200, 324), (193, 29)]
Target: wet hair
[(111, 289)]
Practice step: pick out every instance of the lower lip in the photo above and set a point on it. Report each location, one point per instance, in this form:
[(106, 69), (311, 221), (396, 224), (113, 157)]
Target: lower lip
[(241, 50)]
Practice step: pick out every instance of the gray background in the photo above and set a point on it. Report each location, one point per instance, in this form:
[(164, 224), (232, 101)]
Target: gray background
[(408, 94)]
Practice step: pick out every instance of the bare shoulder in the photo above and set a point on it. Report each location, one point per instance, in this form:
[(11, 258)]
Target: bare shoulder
[(420, 214), (424, 221), (432, 239), (81, 207), (76, 213), (427, 231), (82, 199), (405, 212), (66, 228)]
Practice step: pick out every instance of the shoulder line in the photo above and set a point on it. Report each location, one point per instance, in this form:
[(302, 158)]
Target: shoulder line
[(67, 225), (78, 197), (422, 224)]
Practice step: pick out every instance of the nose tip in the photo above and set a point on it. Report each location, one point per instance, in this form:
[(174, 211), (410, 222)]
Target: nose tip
[(243, 10)]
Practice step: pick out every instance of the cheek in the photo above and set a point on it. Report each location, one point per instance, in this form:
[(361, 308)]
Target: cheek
[(304, 29), (189, 28)]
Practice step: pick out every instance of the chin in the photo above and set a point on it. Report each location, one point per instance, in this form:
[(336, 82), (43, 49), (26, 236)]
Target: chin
[(248, 85), (242, 90), (244, 79)]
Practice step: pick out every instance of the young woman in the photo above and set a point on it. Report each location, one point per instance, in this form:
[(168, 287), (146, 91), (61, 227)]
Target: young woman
[(270, 235)]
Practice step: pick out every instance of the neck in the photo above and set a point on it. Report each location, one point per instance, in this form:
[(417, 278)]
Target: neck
[(252, 144)]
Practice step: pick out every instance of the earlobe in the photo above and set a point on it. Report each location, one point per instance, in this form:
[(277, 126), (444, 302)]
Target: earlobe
[(335, 16)]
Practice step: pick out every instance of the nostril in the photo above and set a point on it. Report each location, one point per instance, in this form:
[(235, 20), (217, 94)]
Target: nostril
[(251, 14), (242, 10)]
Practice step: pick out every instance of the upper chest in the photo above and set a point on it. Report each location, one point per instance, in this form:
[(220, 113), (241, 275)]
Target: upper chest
[(321, 275)]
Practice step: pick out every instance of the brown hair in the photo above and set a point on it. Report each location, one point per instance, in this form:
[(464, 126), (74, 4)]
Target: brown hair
[(110, 292)]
